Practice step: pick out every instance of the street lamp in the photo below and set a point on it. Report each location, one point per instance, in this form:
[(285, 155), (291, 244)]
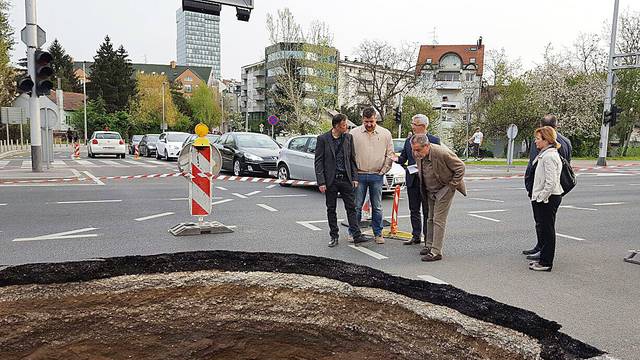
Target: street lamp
[(246, 114), (163, 125), (466, 139), (84, 91)]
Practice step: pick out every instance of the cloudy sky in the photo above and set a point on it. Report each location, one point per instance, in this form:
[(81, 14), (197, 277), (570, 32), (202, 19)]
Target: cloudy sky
[(147, 28)]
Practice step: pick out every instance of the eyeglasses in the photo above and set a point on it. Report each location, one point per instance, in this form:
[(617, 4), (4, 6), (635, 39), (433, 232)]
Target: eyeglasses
[(414, 124)]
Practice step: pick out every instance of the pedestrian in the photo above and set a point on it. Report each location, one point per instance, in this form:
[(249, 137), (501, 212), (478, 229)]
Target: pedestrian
[(441, 173), (475, 141), (374, 157), (419, 125), (336, 173), (564, 151), (546, 195), (75, 138), (69, 136)]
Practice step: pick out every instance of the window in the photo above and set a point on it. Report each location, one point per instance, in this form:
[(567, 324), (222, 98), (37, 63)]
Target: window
[(298, 144), (469, 76), (311, 147), (445, 98), (448, 76), (450, 61), (472, 60), (429, 61), (187, 88)]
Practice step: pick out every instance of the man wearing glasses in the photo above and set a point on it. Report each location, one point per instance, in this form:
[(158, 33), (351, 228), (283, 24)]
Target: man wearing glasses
[(419, 125)]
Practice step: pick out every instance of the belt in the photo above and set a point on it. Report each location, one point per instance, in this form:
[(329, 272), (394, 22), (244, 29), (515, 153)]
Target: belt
[(341, 176)]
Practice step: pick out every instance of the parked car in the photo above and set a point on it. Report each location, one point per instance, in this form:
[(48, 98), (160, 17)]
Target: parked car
[(135, 140), (147, 145), (169, 144), (106, 143), (398, 144), (212, 139), (244, 152), (296, 162)]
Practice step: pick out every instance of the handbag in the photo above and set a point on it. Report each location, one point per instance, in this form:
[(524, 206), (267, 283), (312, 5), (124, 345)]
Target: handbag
[(567, 177)]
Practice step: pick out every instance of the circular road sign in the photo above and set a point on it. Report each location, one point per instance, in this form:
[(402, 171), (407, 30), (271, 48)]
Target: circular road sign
[(512, 131), (273, 120)]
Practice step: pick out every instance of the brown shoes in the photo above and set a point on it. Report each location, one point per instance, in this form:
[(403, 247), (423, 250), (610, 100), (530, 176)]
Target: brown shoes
[(425, 251), (431, 257)]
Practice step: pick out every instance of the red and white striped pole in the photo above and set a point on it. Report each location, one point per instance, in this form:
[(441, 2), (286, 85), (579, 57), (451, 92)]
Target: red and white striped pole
[(200, 186), (394, 211), (136, 152), (76, 153)]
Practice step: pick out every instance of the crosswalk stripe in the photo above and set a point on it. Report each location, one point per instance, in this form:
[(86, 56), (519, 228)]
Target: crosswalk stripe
[(4, 163), (26, 165), (138, 163), (114, 163), (59, 164), (85, 163)]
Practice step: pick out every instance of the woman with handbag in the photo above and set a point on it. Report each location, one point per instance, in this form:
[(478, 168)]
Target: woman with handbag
[(546, 196)]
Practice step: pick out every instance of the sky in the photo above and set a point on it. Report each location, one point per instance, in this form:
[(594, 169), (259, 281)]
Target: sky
[(147, 28)]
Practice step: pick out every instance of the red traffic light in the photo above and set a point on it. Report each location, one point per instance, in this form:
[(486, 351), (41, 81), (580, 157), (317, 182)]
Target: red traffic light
[(25, 84)]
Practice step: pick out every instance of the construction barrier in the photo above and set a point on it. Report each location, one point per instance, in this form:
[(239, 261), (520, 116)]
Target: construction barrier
[(136, 152), (200, 186), (75, 153), (394, 210)]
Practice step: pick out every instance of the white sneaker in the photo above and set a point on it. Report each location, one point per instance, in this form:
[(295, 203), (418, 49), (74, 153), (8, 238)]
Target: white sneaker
[(350, 238), (379, 239)]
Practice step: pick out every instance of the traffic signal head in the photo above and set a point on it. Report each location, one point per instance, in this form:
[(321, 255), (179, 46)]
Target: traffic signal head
[(243, 14), (398, 116), (611, 115), (25, 84), (43, 72)]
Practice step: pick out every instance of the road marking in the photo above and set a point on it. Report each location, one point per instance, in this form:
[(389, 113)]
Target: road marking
[(3, 204), (369, 252), (634, 184), (178, 199), (485, 211), (608, 204), (271, 186), (253, 193), (267, 207), (4, 163), (153, 216), (26, 165), (570, 237), (239, 195), (221, 188), (308, 225), (87, 201), (603, 185), (59, 163), (113, 163), (489, 200), (86, 163), (221, 202), (484, 217), (61, 235), (577, 208), (97, 181), (282, 196), (432, 279)]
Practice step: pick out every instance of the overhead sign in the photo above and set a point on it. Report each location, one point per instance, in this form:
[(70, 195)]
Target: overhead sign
[(42, 36), (512, 131), (273, 120)]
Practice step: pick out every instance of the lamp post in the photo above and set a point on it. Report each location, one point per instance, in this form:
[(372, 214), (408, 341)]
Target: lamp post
[(84, 91), (466, 139), (163, 125)]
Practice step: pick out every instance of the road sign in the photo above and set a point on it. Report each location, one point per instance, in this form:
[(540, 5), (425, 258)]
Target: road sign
[(512, 131), (42, 36), (13, 115), (273, 120)]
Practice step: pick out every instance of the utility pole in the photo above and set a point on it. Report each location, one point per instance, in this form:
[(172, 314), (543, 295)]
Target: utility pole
[(604, 129), (84, 91), (163, 128), (34, 103), (466, 139), (246, 114)]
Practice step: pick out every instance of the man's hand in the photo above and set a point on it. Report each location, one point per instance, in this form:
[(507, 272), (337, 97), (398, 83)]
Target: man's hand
[(322, 188), (355, 184)]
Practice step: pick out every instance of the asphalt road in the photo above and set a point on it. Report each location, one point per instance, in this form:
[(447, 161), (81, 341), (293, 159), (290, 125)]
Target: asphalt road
[(591, 291)]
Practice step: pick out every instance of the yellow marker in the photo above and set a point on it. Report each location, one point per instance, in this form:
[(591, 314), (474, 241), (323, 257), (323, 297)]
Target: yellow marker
[(201, 130)]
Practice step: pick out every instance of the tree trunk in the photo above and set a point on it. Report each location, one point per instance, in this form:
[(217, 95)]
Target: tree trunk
[(626, 141)]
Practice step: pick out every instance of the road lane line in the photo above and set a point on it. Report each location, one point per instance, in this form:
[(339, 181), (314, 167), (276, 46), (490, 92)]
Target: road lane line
[(570, 237), (369, 252), (267, 207), (253, 193), (78, 236), (577, 208), (97, 181), (178, 199), (61, 235), (239, 195), (221, 202), (86, 163), (271, 186), (603, 185), (485, 211), (4, 163), (432, 279), (283, 196), (153, 216), (221, 188), (489, 200), (3, 204), (634, 184), (308, 225), (608, 204), (484, 217), (87, 201)]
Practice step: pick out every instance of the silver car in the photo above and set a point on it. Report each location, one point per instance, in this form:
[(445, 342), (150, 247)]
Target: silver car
[(296, 162)]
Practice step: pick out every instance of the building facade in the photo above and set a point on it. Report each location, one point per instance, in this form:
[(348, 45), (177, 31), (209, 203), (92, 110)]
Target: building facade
[(253, 91), (198, 40)]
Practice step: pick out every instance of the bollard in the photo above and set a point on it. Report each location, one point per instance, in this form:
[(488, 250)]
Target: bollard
[(394, 211), (76, 153), (136, 152)]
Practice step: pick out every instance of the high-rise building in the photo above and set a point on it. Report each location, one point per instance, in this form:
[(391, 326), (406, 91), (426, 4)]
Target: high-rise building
[(198, 40)]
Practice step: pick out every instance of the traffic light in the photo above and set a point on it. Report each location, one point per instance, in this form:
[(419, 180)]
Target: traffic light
[(611, 115), (243, 14), (43, 72), (398, 114), (25, 84)]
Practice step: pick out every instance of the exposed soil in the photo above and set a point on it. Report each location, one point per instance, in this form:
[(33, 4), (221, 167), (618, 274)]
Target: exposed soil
[(174, 316)]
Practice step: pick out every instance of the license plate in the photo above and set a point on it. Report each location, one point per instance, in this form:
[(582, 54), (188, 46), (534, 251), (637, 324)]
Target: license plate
[(273, 173)]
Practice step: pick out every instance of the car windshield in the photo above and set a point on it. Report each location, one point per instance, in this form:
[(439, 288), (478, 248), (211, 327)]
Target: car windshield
[(256, 141), (212, 137), (398, 144), (152, 138), (177, 137), (115, 136), (136, 137)]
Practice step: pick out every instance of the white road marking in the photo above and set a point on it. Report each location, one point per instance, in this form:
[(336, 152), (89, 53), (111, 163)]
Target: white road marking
[(3, 204), (603, 185), (26, 164), (267, 207), (271, 186), (87, 201), (283, 196), (114, 163), (308, 225), (61, 235), (570, 237), (153, 216), (4, 163), (634, 184), (59, 164), (221, 188), (253, 193), (178, 199), (577, 208), (484, 217), (489, 200), (221, 202), (138, 163), (369, 252), (485, 211), (239, 195), (608, 204), (97, 181), (432, 279), (85, 163)]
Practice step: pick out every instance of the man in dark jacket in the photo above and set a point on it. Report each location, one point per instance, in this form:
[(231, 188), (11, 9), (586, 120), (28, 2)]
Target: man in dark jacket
[(564, 151), (336, 172), (419, 125)]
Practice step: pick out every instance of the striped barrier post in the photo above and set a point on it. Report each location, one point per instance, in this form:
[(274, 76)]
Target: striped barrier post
[(200, 186), (394, 211), (76, 151), (136, 152)]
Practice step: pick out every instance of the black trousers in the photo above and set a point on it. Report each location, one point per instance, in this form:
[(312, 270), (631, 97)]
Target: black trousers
[(418, 220), (545, 217), (345, 188)]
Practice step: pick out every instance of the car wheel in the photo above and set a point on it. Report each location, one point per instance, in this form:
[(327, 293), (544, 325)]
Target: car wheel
[(158, 157), (90, 154), (166, 155), (123, 156), (283, 174), (237, 168)]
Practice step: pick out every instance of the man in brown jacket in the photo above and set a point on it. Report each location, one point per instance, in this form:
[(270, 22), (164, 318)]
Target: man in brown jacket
[(440, 172)]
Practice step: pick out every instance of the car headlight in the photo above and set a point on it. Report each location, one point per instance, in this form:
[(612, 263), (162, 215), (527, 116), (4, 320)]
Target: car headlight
[(252, 157), (151, 146)]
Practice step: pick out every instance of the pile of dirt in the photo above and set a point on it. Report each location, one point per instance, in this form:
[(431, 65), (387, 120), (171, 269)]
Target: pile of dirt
[(221, 305)]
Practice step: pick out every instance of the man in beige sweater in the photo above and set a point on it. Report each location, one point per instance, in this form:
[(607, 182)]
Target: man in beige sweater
[(374, 157)]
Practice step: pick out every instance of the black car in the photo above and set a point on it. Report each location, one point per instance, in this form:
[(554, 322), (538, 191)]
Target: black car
[(244, 152), (147, 145), (135, 140)]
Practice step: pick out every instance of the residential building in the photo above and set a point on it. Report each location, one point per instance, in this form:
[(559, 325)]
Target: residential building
[(198, 40), (253, 91)]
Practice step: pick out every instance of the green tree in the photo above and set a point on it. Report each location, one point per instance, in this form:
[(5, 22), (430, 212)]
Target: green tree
[(62, 65), (627, 98), (7, 73), (205, 105), (148, 104), (112, 77), (410, 107)]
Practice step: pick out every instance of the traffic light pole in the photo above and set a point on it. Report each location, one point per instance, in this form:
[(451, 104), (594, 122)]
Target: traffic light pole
[(604, 129), (34, 103)]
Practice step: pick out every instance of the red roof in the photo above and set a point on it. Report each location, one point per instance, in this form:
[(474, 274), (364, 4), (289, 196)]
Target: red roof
[(72, 101), (436, 52)]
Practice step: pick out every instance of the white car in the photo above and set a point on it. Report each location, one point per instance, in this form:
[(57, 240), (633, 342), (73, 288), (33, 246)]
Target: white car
[(296, 162), (169, 144), (106, 143)]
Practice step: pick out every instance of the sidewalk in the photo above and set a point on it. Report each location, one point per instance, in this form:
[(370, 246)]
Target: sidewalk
[(11, 175)]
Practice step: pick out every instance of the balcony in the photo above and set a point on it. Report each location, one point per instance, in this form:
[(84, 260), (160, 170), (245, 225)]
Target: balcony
[(450, 105), (448, 85)]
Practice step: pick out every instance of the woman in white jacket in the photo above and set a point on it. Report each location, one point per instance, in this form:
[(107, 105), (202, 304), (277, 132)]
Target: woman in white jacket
[(546, 195)]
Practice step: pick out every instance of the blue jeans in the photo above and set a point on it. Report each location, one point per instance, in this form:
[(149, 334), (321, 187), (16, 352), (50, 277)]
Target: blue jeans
[(372, 182)]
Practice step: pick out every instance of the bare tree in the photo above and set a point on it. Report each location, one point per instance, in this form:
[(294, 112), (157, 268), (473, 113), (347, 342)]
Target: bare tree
[(589, 54), (628, 39), (499, 67), (283, 27)]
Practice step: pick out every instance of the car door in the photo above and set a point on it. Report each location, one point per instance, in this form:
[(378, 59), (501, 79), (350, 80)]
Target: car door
[(225, 152), (309, 159), (142, 146), (161, 144), (296, 157)]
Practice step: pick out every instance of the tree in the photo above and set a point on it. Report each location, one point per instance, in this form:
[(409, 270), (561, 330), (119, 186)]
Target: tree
[(112, 77), (148, 103), (628, 99), (62, 65), (7, 73), (205, 106), (588, 53), (499, 68), (410, 107)]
